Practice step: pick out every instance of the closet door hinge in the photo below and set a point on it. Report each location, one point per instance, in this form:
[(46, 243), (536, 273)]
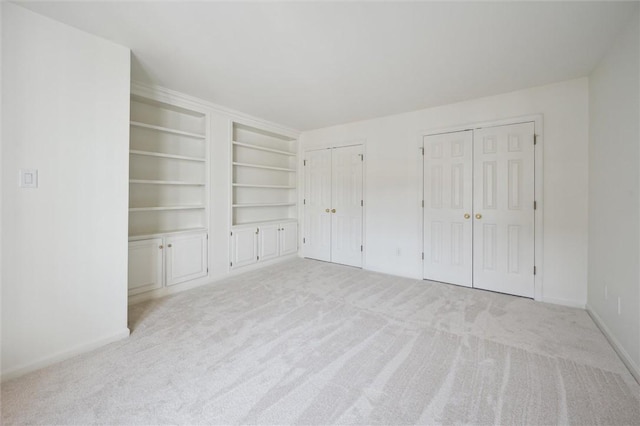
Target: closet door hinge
[(361, 203), (304, 162), (535, 205), (535, 270), (361, 157), (304, 201), (423, 204), (257, 257), (361, 248), (230, 263), (535, 139), (422, 255), (304, 241), (422, 151), (231, 234)]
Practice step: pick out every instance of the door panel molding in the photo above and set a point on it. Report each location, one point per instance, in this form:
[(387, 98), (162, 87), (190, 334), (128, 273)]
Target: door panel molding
[(538, 122)]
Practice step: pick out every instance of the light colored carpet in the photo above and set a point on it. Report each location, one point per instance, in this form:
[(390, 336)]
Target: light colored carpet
[(307, 342)]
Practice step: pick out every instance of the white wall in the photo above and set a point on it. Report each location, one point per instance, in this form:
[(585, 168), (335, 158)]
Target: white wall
[(65, 112), (393, 174), (614, 203)]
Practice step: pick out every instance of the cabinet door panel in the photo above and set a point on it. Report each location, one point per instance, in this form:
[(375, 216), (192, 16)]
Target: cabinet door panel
[(186, 258), (244, 247), (145, 265), (268, 242), (288, 238)]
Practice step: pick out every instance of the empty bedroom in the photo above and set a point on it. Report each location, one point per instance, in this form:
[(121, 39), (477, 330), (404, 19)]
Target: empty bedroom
[(316, 213)]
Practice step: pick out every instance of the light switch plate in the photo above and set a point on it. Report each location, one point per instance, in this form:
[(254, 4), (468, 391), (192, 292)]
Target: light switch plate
[(28, 178)]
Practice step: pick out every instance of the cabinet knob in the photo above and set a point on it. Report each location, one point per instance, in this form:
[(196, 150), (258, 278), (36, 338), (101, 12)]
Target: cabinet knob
[(333, 210), (326, 210), (478, 216), (169, 245), (467, 215), (160, 246)]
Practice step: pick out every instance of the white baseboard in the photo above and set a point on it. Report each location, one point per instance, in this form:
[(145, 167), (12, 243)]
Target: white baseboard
[(564, 302), (620, 350), (63, 355)]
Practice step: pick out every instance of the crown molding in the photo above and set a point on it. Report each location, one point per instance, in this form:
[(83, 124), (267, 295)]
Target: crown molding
[(163, 94)]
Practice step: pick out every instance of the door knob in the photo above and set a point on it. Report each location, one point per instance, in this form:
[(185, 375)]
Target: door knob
[(327, 210), (467, 215), (478, 216), (169, 245), (333, 210), (160, 247)]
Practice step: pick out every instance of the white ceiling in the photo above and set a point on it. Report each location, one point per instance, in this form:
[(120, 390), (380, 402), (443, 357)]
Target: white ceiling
[(311, 65)]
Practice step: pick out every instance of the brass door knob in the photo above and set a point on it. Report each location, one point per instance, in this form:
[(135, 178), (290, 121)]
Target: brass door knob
[(160, 247), (333, 210), (467, 215), (327, 210), (478, 216)]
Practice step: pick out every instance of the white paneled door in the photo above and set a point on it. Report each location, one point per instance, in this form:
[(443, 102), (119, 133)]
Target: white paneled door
[(346, 205), (333, 205), (448, 205), (504, 209), (479, 212), (317, 205)]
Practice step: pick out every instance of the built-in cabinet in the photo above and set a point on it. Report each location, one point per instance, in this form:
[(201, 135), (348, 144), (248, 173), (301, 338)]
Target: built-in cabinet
[(168, 194), (268, 241), (158, 262), (264, 201)]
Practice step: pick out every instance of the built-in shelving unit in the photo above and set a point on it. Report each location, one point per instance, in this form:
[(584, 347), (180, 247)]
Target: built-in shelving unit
[(264, 176), (168, 169)]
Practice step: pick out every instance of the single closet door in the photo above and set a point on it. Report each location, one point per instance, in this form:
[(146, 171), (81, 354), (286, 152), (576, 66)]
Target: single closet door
[(317, 205), (503, 238), (448, 198), (346, 205), (333, 205)]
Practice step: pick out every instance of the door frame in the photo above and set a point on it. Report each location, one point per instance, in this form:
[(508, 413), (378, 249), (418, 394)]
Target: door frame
[(302, 189), (538, 120)]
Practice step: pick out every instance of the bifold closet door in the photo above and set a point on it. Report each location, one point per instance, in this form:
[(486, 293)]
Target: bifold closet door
[(503, 209), (317, 205), (448, 198), (346, 205), (333, 206)]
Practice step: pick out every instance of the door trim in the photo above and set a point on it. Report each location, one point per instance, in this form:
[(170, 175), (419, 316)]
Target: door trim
[(538, 120)]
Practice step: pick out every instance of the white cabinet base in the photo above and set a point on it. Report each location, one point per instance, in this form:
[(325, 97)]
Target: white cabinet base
[(262, 242), (155, 263)]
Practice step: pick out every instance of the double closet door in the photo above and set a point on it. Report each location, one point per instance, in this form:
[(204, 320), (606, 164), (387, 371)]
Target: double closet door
[(479, 208), (333, 205)]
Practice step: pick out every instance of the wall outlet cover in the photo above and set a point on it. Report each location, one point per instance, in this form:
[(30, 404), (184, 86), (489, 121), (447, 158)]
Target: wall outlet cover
[(28, 178)]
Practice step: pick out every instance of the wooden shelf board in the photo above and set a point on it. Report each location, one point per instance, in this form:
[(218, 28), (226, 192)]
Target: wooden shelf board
[(258, 166), (262, 148), (162, 155), (248, 185), (165, 182), (167, 130), (159, 208), (264, 205), (265, 222), (162, 233)]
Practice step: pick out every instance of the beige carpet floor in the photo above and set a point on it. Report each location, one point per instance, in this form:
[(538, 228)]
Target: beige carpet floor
[(307, 342)]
